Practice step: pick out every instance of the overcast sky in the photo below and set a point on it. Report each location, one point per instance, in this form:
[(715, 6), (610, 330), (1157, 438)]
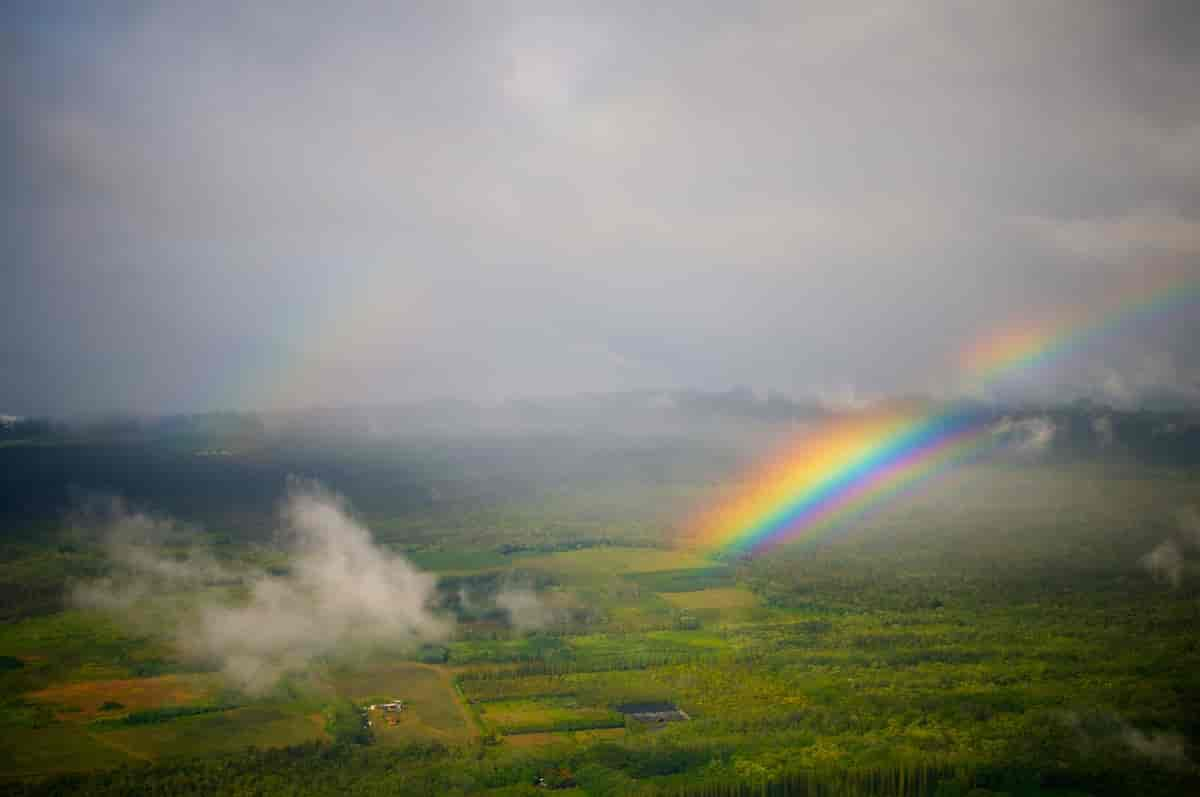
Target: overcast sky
[(209, 206)]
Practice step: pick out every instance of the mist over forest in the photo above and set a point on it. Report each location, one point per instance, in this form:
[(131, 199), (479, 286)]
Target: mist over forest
[(438, 455)]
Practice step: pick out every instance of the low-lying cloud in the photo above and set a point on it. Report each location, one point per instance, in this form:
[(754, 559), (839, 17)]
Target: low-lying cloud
[(526, 611), (1167, 561), (149, 552), (1101, 729), (1188, 520), (339, 589), (1102, 426), (1165, 747), (1025, 435)]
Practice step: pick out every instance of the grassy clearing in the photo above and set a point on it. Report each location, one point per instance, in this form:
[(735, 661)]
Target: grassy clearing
[(432, 709), (721, 598), (227, 731), (417, 725), (531, 686), (543, 714), (615, 648), (83, 701), (78, 645)]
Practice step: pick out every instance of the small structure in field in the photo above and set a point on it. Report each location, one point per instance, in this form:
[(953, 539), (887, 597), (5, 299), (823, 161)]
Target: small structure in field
[(653, 713), (390, 711)]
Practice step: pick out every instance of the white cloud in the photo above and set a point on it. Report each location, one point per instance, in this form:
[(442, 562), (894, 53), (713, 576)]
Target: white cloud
[(1025, 435), (1165, 563), (1170, 748), (341, 590), (526, 611)]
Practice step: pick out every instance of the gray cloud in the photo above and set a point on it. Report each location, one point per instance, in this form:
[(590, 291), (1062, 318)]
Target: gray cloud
[(217, 205), (340, 591)]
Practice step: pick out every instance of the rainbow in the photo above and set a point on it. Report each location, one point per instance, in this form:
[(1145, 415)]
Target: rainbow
[(1034, 343), (833, 474)]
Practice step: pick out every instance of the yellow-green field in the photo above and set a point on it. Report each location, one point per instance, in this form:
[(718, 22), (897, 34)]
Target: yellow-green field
[(432, 710), (77, 747), (526, 740), (716, 598), (543, 714), (219, 732), (57, 749)]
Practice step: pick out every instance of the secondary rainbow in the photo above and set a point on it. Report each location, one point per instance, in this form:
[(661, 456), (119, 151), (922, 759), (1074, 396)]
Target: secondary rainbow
[(1032, 343), (837, 472)]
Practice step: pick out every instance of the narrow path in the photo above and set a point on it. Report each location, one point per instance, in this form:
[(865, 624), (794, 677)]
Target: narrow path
[(468, 717)]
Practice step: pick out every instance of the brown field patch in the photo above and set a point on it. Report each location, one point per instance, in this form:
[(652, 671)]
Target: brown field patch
[(81, 701)]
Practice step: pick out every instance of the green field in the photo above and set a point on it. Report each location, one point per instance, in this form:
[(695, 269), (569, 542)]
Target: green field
[(37, 752), (545, 714), (598, 563), (219, 732)]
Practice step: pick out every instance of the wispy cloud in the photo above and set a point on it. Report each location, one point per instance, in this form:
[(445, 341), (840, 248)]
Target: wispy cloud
[(1026, 435), (1167, 562), (340, 589)]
